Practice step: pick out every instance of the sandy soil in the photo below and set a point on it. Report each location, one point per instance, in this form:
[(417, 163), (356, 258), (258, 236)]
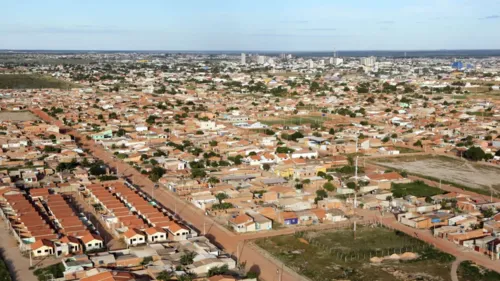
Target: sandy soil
[(460, 172), (17, 116)]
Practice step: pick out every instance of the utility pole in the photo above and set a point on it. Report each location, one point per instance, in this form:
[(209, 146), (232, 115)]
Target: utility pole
[(356, 175)]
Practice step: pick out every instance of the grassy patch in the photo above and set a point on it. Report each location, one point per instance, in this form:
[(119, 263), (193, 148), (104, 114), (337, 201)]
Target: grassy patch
[(459, 173), (332, 255), (296, 120), (416, 188), (45, 274), (467, 271), (4, 271), (477, 113), (32, 81), (404, 150)]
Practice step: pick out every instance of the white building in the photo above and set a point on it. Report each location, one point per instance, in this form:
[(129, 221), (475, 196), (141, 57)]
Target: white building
[(243, 59), (310, 64), (369, 61)]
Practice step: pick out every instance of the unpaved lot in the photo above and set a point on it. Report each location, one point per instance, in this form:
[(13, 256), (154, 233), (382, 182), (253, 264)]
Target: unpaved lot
[(448, 169), (17, 116)]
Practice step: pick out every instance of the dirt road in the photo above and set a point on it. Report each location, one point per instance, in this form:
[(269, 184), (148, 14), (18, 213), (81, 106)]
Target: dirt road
[(17, 263), (222, 237), (454, 269), (426, 236), (269, 268)]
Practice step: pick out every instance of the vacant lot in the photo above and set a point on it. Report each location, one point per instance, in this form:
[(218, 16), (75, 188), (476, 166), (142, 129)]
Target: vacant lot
[(296, 120), (472, 272), (31, 81), (417, 188), (336, 255), (17, 116), (448, 169)]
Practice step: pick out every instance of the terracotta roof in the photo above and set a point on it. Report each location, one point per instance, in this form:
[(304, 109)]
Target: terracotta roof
[(174, 227), (132, 232), (289, 215), (153, 230), (243, 218), (89, 237), (386, 176), (103, 276), (41, 243)]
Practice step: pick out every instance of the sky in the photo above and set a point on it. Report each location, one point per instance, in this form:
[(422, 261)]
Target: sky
[(252, 25)]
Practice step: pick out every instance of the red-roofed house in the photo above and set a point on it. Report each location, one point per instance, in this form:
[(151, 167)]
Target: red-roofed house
[(155, 234), (134, 237), (92, 242), (42, 248)]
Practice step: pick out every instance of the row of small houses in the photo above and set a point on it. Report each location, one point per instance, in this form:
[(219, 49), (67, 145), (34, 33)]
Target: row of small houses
[(45, 224), (47, 227), (468, 229), (132, 216)]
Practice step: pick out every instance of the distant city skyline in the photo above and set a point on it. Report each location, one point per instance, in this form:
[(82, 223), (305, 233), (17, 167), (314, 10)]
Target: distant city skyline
[(293, 25)]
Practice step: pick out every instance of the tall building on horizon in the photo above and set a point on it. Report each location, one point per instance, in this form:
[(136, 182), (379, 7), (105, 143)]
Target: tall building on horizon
[(243, 59), (261, 59), (369, 61)]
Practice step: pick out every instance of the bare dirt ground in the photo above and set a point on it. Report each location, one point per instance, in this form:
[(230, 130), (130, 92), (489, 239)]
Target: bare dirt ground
[(448, 169), (17, 116)]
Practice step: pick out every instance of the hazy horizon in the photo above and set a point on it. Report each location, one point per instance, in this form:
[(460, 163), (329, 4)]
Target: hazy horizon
[(292, 25)]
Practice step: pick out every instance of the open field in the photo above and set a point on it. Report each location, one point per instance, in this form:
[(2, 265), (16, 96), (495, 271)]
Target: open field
[(296, 120), (404, 150), (460, 172), (417, 188), (17, 116), (31, 81), (468, 271), (304, 119), (336, 255)]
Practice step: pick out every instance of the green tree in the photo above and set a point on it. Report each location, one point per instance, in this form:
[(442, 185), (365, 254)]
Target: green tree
[(187, 258), (475, 154), (266, 167), (213, 180), (151, 119), (120, 133), (164, 276), (221, 196), (198, 173), (351, 185), (284, 149), (156, 173), (218, 270), (97, 169), (329, 186)]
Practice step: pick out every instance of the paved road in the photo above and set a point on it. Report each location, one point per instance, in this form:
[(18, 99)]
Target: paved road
[(18, 265), (454, 268), (232, 243)]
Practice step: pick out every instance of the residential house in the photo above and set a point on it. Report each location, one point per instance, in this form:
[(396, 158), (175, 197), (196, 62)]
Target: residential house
[(242, 223), (134, 237), (92, 242), (42, 248), (155, 235)]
